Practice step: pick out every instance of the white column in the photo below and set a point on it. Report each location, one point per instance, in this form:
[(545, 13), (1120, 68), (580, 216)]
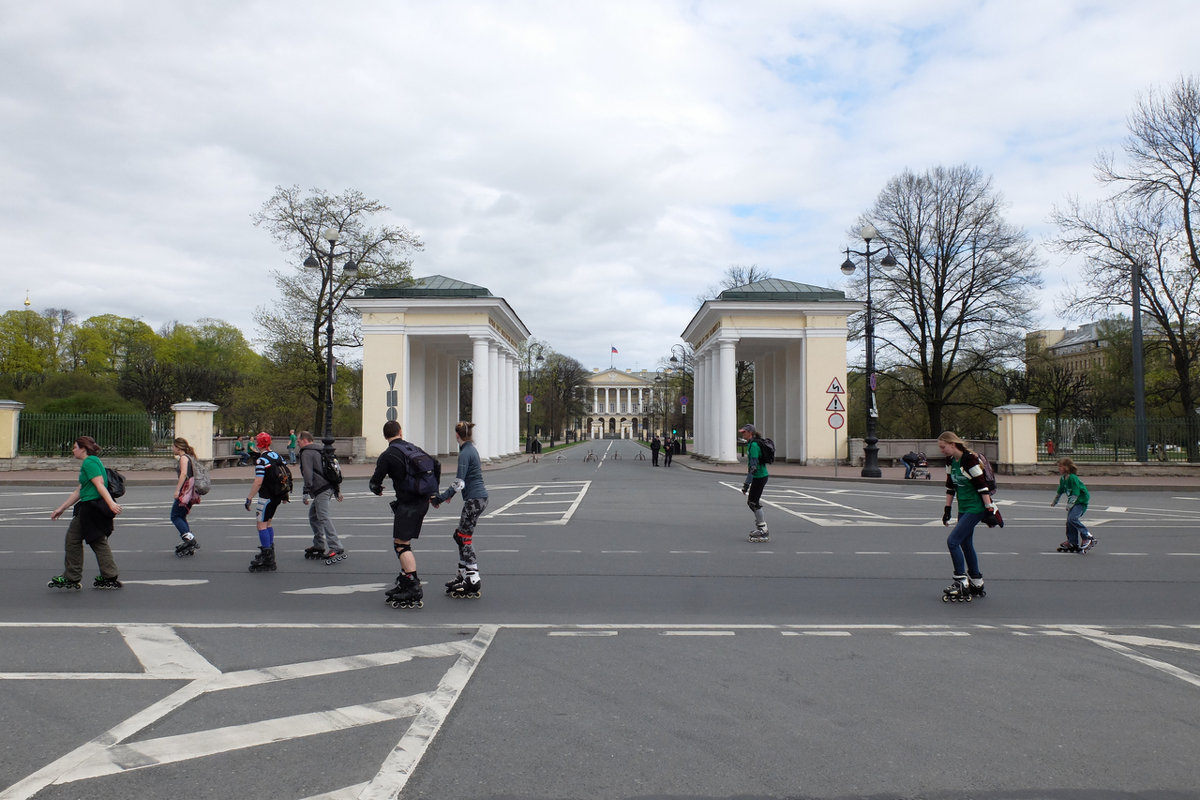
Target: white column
[(495, 416), (480, 394), (727, 380)]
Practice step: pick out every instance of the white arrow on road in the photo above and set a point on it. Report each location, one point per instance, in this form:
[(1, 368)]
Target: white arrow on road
[(351, 589)]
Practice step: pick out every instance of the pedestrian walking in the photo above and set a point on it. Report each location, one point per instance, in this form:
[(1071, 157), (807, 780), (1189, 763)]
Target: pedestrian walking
[(92, 512), (756, 481), (271, 487), (415, 477), (1079, 538), (655, 446), (318, 492), (668, 450), (469, 480), (185, 496), (965, 481)]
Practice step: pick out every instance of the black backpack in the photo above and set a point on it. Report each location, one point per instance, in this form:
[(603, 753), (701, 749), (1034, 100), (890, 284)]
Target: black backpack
[(114, 482), (331, 470), (766, 451), (277, 478), (422, 472)]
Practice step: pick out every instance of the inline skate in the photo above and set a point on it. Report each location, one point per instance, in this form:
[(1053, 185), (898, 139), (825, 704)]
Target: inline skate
[(264, 561), (406, 593), (102, 582), (1088, 543), (959, 591), (314, 553), (1067, 547), (975, 587), (759, 534), (187, 547), (334, 556), (465, 586), (59, 582)]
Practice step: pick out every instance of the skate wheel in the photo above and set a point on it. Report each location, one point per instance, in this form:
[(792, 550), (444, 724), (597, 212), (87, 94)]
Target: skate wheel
[(945, 598), (393, 603)]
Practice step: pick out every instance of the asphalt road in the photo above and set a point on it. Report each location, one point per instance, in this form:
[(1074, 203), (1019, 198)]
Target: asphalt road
[(630, 643)]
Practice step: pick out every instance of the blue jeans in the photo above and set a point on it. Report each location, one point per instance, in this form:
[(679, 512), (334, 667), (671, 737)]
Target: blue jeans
[(179, 514), (1075, 526), (961, 542)]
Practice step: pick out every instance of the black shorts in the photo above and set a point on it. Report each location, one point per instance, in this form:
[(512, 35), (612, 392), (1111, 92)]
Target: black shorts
[(267, 507), (407, 518)]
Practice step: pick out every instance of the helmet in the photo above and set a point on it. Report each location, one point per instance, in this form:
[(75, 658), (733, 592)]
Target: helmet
[(263, 439)]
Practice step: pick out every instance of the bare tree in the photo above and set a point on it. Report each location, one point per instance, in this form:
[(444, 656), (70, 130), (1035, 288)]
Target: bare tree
[(1163, 160), (298, 223), (1128, 238), (960, 296), (735, 275)]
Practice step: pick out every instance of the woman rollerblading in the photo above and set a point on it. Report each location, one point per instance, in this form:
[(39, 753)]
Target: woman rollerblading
[(965, 481), (185, 496), (468, 480), (92, 512), (756, 481)]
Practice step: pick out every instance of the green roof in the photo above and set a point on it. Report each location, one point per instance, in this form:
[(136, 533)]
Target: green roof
[(774, 289), (432, 286)]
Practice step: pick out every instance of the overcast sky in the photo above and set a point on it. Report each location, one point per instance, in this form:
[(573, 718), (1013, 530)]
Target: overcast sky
[(597, 164)]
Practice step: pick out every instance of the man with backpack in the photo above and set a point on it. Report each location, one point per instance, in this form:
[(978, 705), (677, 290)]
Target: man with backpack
[(756, 481), (322, 482), (272, 484), (416, 476)]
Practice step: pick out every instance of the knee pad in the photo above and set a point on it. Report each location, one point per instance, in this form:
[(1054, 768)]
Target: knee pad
[(462, 540), (401, 548), (754, 505)]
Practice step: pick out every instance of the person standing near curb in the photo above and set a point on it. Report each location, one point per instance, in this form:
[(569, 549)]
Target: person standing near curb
[(318, 491), (468, 480), (185, 496), (965, 480), (291, 445), (756, 481), (1079, 538), (93, 510)]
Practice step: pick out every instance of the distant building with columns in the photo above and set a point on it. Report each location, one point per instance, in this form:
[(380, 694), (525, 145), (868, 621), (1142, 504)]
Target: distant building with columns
[(620, 404)]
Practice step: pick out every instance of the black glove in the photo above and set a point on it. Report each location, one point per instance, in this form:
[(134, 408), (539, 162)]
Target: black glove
[(992, 518), (247, 503), (745, 488), (377, 489), (946, 516)]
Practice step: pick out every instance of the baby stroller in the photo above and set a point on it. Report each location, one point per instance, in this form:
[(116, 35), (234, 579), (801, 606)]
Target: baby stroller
[(920, 467)]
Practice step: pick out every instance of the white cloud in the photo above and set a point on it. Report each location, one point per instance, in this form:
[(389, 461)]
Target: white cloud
[(597, 164)]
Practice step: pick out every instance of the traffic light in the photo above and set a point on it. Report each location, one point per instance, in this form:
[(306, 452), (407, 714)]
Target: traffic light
[(673, 431)]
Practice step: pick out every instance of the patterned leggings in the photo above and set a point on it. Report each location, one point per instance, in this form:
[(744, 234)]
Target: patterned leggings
[(471, 511)]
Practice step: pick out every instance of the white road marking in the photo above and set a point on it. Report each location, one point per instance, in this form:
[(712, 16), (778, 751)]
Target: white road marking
[(161, 651), (171, 581), (351, 588)]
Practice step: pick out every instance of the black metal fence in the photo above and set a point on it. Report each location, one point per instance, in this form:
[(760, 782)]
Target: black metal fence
[(52, 435), (1114, 439)]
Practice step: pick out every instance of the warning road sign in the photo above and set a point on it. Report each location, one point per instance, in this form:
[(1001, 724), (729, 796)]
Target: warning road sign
[(835, 404), (835, 387)]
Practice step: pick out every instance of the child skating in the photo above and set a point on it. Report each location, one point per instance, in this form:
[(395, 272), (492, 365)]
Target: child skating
[(1079, 538)]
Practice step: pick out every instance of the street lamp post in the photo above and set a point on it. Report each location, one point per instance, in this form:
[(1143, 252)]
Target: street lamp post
[(529, 394), (871, 441), (349, 271), (679, 359)]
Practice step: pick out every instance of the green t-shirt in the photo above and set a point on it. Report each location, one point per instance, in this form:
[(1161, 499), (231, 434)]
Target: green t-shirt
[(1071, 486), (90, 468), (969, 501), (754, 454)]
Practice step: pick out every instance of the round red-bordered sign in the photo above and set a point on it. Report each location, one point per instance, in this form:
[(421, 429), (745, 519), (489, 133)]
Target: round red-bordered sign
[(836, 420)]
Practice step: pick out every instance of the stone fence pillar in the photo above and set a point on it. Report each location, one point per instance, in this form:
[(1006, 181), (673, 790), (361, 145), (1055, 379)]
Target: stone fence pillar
[(194, 422), (10, 416), (1016, 434)]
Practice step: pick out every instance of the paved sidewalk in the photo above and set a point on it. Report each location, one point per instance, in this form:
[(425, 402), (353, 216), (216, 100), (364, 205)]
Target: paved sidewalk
[(847, 474)]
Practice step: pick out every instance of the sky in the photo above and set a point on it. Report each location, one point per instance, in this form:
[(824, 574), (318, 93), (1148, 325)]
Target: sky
[(600, 165)]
